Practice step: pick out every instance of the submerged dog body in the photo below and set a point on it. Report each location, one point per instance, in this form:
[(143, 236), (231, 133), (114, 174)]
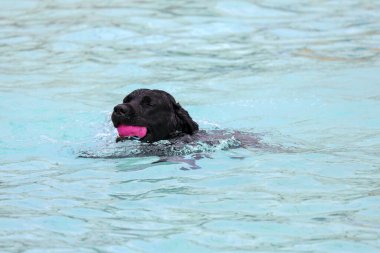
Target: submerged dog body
[(151, 115)]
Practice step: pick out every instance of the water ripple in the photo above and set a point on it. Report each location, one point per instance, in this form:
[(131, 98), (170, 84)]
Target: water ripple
[(302, 73)]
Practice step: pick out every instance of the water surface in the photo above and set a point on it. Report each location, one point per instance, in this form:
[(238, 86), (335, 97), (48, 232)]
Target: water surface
[(302, 74)]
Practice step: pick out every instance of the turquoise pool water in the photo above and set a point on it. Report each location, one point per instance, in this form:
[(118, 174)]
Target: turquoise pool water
[(302, 74)]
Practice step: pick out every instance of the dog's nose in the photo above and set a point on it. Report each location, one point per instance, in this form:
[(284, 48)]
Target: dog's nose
[(122, 109)]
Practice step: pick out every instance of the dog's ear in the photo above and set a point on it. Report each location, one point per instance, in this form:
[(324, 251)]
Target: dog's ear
[(187, 124)]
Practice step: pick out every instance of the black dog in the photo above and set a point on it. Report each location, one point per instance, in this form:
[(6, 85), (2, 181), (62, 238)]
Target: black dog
[(154, 115), (151, 115)]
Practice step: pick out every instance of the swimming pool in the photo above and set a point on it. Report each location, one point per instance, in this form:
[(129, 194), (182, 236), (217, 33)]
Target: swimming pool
[(302, 74)]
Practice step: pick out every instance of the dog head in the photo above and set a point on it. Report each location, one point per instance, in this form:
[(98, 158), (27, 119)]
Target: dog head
[(151, 115)]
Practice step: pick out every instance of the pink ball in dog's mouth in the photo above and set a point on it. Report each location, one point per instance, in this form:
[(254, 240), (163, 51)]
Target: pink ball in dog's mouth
[(131, 131)]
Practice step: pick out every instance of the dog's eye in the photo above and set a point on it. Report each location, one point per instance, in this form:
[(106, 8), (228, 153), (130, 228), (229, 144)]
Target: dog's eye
[(127, 99), (146, 101)]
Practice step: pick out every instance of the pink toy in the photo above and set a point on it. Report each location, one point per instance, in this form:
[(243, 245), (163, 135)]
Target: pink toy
[(138, 131)]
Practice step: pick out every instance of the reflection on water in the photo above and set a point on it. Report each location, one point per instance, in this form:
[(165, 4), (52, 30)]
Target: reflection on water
[(303, 74)]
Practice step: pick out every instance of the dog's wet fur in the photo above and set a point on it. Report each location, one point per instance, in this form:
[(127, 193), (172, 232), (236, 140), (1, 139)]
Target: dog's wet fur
[(166, 119)]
